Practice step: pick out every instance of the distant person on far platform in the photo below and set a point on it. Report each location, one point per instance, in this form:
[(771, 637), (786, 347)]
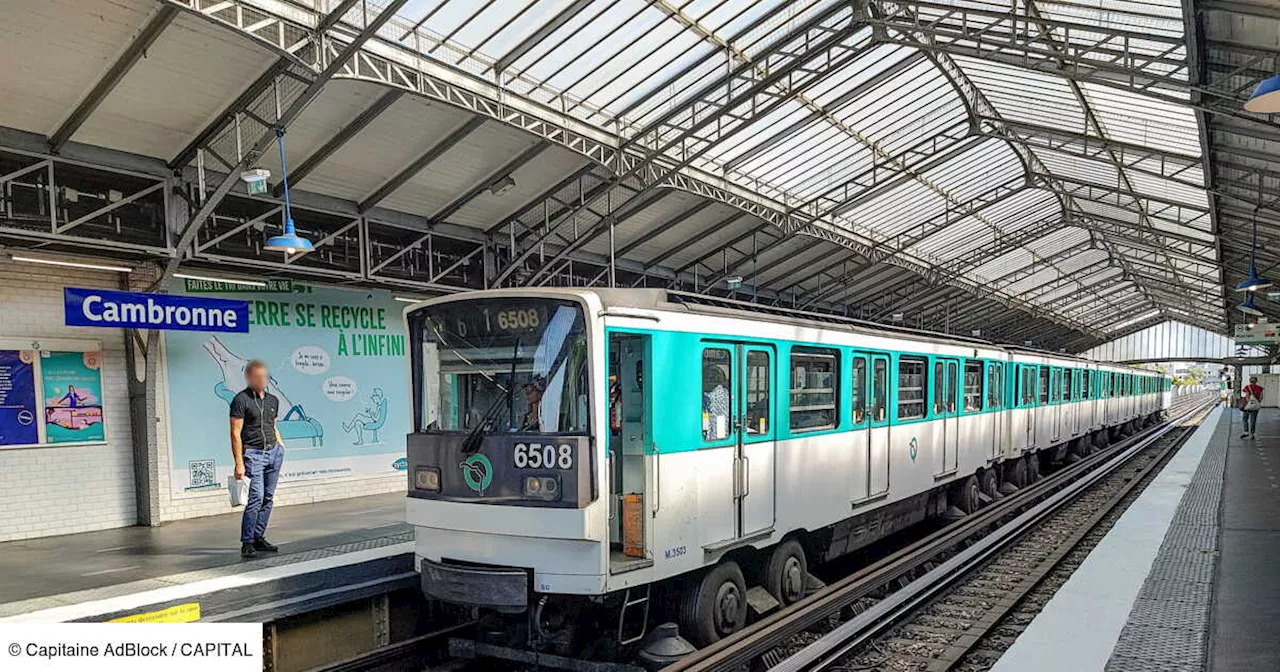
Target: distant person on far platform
[(258, 451), (1250, 404)]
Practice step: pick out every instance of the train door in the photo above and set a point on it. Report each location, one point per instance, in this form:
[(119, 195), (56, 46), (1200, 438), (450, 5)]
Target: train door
[(995, 404), (1069, 413), (871, 418), (1055, 404), (946, 375), (1027, 400), (629, 418), (756, 456)]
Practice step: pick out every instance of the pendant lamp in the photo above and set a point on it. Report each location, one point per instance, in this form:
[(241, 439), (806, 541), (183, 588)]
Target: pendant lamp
[(1254, 282), (1248, 307), (288, 242), (1266, 96)]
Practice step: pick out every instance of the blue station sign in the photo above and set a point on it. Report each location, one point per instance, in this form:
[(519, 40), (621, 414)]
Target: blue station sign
[(136, 310)]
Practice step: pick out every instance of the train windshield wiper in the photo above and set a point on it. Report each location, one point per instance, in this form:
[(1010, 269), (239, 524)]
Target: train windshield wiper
[(472, 442)]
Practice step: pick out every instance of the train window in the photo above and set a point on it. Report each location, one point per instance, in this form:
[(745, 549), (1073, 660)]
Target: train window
[(911, 385), (717, 393), (972, 385), (814, 376), (758, 381), (1066, 384), (995, 384), (1028, 385), (859, 390), (939, 389), (879, 390), (1044, 385), (1085, 392)]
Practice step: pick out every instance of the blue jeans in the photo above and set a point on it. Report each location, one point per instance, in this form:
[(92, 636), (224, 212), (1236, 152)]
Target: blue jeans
[(1250, 422), (262, 468)]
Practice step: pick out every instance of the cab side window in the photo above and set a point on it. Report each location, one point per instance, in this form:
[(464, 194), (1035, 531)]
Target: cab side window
[(717, 393)]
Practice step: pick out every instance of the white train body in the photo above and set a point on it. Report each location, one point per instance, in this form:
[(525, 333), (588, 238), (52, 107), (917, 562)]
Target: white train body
[(791, 456)]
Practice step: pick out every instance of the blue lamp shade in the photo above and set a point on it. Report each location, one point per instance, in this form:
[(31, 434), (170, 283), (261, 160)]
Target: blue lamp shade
[(1266, 97), (1252, 283), (1248, 307), (289, 242)]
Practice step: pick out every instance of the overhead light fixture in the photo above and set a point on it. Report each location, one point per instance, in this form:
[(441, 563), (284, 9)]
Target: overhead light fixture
[(288, 242), (408, 299), (1266, 96), (1254, 282), (502, 185), (227, 281), (71, 264), (1248, 308)]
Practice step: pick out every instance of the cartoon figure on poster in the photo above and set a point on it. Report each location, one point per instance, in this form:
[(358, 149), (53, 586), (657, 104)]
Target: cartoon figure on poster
[(293, 421), (338, 361)]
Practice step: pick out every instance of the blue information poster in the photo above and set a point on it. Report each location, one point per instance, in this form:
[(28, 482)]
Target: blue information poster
[(72, 396), (338, 361), (18, 419)]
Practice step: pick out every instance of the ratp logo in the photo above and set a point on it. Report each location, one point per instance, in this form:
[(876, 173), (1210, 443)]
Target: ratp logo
[(477, 471), (401, 464), (913, 449)]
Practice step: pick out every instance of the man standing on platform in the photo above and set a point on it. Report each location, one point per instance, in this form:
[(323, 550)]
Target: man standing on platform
[(259, 452), (1251, 403)]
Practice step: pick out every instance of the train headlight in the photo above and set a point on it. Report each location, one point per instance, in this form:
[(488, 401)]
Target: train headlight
[(541, 487), (426, 478)]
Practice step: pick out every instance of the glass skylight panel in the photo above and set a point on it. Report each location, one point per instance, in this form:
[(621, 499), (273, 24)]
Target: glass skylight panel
[(1168, 189), (1068, 165), (1137, 119), (1026, 95)]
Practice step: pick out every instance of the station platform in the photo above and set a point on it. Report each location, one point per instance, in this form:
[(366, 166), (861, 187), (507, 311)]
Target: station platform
[(330, 552), (1186, 579)]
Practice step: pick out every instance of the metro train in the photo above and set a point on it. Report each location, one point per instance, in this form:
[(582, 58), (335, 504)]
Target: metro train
[(629, 456)]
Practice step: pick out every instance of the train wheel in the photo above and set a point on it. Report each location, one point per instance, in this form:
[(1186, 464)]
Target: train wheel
[(964, 495), (989, 484), (785, 575), (716, 607), (1031, 467)]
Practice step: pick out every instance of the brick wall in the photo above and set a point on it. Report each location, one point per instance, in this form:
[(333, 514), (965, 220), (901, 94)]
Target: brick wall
[(49, 491)]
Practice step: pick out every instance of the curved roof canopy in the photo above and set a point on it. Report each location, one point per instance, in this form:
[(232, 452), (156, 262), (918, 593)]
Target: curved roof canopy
[(1030, 170)]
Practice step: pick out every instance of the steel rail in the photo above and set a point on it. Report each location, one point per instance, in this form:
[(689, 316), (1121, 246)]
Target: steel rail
[(753, 642)]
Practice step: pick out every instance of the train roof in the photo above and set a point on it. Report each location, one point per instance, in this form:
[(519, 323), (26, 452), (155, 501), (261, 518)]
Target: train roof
[(671, 300)]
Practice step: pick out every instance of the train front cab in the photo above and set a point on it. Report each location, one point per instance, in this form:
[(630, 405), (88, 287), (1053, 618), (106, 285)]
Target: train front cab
[(503, 462)]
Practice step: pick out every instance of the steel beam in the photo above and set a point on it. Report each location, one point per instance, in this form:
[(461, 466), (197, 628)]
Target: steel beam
[(543, 31), (341, 138), (288, 112), (121, 67), (424, 159)]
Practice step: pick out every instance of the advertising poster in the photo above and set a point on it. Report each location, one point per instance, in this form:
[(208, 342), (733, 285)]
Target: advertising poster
[(18, 412), (338, 362), (72, 396)]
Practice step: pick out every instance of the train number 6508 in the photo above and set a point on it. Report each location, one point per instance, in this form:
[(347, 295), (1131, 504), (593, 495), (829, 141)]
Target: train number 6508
[(538, 456)]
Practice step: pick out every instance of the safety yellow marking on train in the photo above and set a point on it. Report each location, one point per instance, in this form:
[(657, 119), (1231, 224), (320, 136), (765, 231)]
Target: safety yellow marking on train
[(181, 613)]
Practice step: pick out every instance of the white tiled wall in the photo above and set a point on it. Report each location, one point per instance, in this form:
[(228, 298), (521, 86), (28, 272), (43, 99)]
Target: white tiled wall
[(49, 491)]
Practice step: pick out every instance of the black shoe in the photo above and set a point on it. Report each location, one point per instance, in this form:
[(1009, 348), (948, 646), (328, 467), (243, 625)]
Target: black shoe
[(1245, 435), (261, 544), (248, 551)]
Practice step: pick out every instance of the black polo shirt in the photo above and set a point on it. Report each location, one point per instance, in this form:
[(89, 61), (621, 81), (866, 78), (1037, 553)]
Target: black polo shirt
[(259, 415)]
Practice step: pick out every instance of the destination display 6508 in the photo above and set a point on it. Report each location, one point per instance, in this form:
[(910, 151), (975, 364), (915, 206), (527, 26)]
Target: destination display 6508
[(495, 319)]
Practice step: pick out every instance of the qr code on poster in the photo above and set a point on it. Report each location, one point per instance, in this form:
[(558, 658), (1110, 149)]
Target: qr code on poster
[(202, 473)]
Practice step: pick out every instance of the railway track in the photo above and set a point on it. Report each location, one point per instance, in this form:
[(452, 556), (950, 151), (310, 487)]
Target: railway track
[(954, 600)]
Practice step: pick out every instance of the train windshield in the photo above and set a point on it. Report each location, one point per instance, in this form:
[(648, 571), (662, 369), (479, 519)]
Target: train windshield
[(514, 365)]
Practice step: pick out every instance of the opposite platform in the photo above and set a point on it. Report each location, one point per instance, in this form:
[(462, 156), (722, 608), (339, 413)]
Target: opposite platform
[(335, 546)]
